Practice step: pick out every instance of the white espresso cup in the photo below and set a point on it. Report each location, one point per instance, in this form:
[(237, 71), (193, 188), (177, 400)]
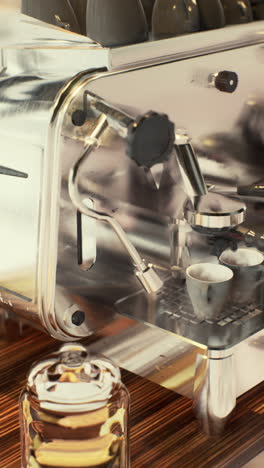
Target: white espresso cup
[(247, 266), (208, 286)]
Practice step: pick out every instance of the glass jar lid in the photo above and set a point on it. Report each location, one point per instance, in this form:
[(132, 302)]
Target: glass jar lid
[(72, 380)]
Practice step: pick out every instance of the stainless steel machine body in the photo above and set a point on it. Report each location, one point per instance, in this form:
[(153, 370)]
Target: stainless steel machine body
[(73, 274)]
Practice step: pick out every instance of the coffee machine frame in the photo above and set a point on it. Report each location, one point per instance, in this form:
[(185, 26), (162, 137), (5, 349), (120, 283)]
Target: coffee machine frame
[(70, 274)]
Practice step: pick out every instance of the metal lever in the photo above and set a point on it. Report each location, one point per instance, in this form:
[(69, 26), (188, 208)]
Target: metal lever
[(12, 172), (116, 119), (145, 273)]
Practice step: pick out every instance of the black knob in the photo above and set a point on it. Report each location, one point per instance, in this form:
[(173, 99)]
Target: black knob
[(150, 139), (226, 81)]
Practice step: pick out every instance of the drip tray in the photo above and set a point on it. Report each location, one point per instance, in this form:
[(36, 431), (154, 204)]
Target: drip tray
[(172, 310)]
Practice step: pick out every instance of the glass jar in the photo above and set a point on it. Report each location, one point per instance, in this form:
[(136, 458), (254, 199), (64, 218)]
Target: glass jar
[(74, 412)]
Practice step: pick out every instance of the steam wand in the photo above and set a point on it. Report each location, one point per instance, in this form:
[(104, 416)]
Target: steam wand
[(145, 273)]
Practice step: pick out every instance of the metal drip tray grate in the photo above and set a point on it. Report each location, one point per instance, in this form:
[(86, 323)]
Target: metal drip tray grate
[(172, 310), (174, 301)]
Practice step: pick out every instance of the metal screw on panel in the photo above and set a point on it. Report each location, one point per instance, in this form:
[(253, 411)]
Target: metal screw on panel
[(78, 118), (78, 318)]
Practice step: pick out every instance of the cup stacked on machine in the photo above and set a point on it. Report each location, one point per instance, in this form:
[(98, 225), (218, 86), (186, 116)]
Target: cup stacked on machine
[(237, 11), (115, 23), (174, 17), (258, 9)]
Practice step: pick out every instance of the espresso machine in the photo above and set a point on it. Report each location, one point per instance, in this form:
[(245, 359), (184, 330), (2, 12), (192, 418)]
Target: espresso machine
[(120, 168)]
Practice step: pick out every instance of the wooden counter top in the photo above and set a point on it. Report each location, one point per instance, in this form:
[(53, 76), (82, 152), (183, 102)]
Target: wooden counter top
[(164, 432)]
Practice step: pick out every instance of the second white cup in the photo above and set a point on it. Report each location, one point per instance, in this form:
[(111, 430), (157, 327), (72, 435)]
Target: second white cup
[(246, 264)]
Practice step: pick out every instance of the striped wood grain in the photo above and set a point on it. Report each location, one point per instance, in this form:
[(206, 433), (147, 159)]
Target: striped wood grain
[(164, 432)]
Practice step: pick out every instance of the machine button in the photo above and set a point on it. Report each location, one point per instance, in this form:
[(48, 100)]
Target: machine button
[(226, 81)]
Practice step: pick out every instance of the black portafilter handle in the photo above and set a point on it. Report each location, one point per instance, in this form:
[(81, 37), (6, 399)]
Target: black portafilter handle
[(150, 139)]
